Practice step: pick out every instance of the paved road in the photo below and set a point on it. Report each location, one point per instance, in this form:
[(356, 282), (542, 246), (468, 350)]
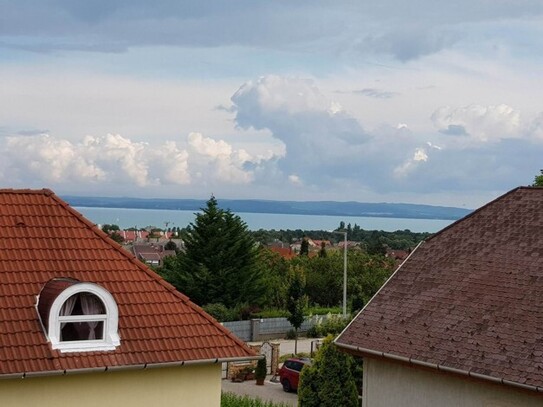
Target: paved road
[(271, 391)]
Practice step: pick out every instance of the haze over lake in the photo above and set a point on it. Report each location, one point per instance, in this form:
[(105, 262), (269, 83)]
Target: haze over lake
[(139, 218)]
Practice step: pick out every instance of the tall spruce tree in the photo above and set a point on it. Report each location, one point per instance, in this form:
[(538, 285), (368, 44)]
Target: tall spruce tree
[(220, 260)]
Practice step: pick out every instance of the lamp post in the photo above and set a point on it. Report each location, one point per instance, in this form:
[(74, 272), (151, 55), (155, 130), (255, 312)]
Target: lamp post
[(344, 233)]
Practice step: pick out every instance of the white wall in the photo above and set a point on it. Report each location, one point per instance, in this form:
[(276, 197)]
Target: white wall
[(389, 384)]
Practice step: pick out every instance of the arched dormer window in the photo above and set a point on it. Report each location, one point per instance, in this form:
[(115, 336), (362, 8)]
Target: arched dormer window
[(78, 316)]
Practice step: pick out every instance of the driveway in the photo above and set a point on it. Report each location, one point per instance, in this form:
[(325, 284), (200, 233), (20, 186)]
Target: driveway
[(271, 391)]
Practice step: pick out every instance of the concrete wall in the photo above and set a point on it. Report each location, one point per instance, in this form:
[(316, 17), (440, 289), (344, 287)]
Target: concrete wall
[(269, 328), (388, 384), (188, 386)]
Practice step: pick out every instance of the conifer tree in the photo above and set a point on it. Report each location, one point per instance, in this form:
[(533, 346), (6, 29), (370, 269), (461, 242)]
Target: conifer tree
[(304, 247), (329, 381), (220, 260)]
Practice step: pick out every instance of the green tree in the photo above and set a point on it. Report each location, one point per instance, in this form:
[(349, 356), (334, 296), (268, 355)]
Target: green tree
[(304, 247), (113, 232), (322, 252), (538, 180), (296, 304), (329, 381), (220, 260), (170, 245)]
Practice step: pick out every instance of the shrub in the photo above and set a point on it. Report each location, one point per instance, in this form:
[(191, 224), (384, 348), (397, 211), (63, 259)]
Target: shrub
[(219, 312), (261, 369), (331, 325), (291, 334), (328, 382)]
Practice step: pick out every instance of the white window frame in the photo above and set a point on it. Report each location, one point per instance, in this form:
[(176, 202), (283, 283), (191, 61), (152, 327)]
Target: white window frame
[(110, 338)]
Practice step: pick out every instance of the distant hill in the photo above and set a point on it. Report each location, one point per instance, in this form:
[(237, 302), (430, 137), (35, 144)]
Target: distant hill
[(383, 210)]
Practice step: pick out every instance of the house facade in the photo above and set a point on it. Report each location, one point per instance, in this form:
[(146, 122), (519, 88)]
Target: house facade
[(459, 322), (84, 322)]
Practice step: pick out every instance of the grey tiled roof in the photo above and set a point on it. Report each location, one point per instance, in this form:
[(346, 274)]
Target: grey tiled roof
[(470, 297)]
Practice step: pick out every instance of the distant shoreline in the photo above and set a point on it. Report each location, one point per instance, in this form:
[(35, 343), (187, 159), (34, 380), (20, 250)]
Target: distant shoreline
[(318, 208)]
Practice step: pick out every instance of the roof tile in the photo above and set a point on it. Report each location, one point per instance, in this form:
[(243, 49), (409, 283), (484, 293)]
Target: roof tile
[(470, 297), (43, 238)]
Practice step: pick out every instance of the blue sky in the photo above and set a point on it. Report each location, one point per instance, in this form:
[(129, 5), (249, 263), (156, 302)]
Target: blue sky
[(420, 101)]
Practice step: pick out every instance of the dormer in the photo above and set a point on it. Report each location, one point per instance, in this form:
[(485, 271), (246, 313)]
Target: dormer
[(78, 316)]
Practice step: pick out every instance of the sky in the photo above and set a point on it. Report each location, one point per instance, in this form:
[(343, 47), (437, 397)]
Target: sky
[(426, 102)]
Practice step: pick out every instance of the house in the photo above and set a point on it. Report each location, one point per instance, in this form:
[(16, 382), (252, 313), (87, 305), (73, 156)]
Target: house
[(151, 254), (460, 322), (83, 322)]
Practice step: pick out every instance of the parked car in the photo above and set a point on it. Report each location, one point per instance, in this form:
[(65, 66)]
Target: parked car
[(289, 374)]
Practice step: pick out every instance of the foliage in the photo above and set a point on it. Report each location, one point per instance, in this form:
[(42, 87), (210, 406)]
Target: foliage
[(304, 247), (291, 334), (397, 240), (306, 355), (113, 232), (282, 313), (233, 400), (220, 260), (261, 369), (538, 180), (296, 300), (322, 251), (275, 271), (329, 381), (170, 245), (107, 228), (331, 325), (220, 312)]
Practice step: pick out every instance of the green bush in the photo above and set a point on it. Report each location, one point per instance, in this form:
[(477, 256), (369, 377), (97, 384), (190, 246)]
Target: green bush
[(291, 334), (233, 400), (261, 369), (331, 325), (220, 312), (329, 381)]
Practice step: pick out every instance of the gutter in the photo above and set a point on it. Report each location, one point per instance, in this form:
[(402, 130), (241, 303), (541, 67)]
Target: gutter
[(66, 372), (438, 367)]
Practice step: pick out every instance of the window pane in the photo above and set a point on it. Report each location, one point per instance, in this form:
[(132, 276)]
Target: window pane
[(81, 331), (83, 304)]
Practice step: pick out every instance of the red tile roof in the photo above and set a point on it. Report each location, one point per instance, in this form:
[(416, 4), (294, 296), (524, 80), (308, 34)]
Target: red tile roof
[(469, 298), (42, 238)]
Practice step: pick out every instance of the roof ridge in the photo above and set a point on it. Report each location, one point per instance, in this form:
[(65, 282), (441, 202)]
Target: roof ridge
[(158, 279), (43, 191)]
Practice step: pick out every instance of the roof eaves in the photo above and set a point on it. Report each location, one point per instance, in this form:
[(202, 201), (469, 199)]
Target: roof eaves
[(24, 375), (442, 368)]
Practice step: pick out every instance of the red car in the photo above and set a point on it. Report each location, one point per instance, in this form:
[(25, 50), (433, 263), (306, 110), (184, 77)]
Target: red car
[(289, 374)]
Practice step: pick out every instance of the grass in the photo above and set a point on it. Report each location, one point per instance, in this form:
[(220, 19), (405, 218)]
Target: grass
[(233, 400)]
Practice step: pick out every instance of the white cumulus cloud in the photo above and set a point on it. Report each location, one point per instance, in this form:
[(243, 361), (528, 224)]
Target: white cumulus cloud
[(480, 123)]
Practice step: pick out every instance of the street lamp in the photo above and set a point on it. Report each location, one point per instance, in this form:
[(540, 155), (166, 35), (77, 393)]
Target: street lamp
[(344, 233)]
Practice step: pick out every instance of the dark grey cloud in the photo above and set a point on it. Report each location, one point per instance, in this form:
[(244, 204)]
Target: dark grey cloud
[(406, 30), (454, 130), (406, 43)]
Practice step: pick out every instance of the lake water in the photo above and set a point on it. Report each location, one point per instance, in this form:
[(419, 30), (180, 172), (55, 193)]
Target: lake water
[(139, 218)]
